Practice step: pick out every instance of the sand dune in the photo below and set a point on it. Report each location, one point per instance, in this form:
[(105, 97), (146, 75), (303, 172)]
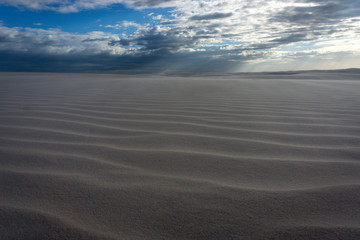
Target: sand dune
[(244, 156)]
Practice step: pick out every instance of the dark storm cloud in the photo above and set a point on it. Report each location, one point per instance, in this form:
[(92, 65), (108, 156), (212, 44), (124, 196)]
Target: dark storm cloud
[(157, 52), (160, 41), (130, 64)]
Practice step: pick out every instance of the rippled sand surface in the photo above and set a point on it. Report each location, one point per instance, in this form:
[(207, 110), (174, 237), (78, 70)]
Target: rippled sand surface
[(243, 157)]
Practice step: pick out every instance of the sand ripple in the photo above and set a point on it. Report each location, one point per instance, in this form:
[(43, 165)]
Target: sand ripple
[(109, 157)]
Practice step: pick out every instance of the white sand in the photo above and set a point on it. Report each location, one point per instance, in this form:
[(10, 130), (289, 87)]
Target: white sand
[(249, 156)]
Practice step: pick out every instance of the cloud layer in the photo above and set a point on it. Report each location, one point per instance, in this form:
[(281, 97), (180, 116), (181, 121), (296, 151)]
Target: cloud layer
[(67, 6), (199, 35)]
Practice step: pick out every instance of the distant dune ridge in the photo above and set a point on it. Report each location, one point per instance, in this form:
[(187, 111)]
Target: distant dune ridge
[(247, 156)]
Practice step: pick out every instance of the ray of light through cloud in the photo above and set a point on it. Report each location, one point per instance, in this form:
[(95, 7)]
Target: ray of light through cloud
[(169, 36)]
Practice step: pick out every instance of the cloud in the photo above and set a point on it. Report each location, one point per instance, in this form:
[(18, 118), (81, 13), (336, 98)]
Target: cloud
[(161, 40), (196, 35), (211, 16), (325, 12), (78, 5), (123, 24), (55, 42), (157, 17), (26, 49)]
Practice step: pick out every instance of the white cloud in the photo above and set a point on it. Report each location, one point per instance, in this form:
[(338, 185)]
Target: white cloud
[(124, 24), (54, 41)]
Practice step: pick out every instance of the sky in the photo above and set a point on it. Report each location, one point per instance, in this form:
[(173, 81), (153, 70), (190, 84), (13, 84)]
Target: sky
[(178, 36)]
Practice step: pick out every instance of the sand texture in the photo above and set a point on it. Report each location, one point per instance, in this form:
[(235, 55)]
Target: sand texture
[(248, 157)]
